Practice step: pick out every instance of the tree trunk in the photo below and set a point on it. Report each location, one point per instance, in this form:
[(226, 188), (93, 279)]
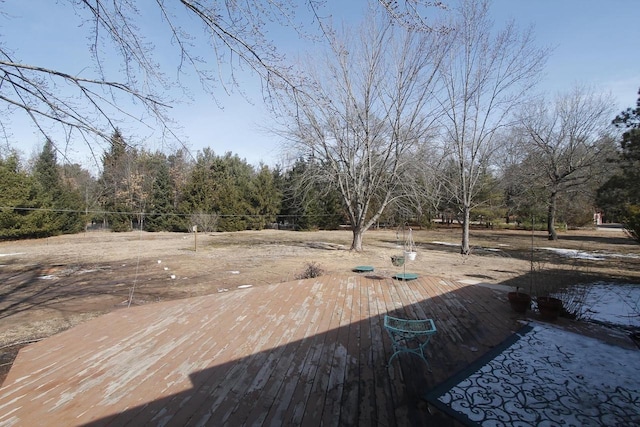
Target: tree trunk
[(356, 244), (464, 247), (551, 216)]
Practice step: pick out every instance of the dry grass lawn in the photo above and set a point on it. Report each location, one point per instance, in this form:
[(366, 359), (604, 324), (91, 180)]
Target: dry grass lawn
[(49, 285)]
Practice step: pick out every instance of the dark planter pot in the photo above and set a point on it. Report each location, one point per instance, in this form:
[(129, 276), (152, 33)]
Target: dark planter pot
[(520, 302), (549, 307)]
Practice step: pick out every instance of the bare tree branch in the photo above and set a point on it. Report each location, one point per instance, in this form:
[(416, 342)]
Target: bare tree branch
[(485, 77), (364, 108), (564, 141), (229, 35)]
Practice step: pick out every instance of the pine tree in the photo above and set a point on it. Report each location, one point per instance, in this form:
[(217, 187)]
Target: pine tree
[(116, 173), (199, 193), (63, 204), (308, 205), (265, 198), (162, 216), (619, 196), (20, 213)]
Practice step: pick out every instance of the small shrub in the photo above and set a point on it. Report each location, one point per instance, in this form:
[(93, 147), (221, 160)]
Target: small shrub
[(206, 223), (312, 270), (573, 299)]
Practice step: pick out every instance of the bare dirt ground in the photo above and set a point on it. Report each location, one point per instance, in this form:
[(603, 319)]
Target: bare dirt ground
[(49, 285)]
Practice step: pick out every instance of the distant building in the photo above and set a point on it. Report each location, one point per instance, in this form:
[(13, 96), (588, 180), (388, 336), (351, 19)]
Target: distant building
[(597, 218)]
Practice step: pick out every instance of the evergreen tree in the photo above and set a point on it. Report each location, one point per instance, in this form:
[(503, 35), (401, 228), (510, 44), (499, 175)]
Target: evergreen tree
[(63, 204), (46, 169), (47, 181), (293, 212), (619, 196), (221, 189), (264, 198), (20, 209), (233, 178), (162, 215), (308, 204), (116, 176), (198, 197)]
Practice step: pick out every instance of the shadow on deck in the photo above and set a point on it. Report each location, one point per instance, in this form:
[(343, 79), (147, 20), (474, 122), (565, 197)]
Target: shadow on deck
[(310, 352)]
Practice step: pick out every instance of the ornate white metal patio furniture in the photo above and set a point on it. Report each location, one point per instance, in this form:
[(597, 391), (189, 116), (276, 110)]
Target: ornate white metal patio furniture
[(409, 336)]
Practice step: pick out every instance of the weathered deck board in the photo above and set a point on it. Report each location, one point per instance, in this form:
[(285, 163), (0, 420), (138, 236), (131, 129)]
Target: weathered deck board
[(302, 353)]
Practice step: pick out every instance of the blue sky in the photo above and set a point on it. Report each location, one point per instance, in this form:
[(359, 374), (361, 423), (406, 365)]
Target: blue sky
[(594, 42)]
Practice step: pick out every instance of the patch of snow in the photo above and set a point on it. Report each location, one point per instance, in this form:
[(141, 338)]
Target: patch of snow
[(612, 303), (593, 356), (576, 254), (12, 254), (234, 272), (592, 256), (469, 281), (244, 286), (446, 244), (47, 277)]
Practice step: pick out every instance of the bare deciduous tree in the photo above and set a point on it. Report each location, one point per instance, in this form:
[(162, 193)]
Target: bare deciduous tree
[(121, 70), (92, 103), (485, 76), (365, 107), (564, 141)]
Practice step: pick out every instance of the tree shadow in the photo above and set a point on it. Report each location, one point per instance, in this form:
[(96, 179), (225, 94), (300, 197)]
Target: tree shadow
[(540, 237), (598, 240), (58, 287), (545, 281)]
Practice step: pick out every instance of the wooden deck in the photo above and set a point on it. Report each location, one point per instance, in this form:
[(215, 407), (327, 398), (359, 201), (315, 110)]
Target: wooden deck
[(310, 352)]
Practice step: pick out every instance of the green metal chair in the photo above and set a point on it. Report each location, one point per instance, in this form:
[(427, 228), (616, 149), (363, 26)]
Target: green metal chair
[(409, 336)]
